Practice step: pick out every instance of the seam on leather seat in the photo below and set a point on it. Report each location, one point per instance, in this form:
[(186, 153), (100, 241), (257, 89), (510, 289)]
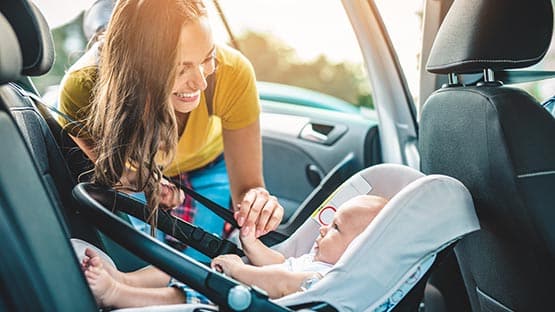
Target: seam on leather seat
[(535, 174)]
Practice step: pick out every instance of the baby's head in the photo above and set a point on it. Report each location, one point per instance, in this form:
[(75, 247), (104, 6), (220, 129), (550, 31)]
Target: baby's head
[(349, 221)]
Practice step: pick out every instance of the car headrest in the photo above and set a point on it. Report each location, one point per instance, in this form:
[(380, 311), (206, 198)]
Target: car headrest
[(424, 215), (33, 34), (97, 17), (10, 54), (491, 34)]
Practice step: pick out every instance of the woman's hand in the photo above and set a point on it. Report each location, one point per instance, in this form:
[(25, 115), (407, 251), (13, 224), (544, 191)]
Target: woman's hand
[(170, 195), (227, 264), (259, 212)]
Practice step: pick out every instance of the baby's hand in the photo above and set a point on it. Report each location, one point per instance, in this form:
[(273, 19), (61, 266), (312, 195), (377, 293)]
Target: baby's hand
[(227, 264), (247, 235)]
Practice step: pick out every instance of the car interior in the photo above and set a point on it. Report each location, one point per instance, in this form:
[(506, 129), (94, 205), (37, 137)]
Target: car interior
[(492, 137), (34, 127)]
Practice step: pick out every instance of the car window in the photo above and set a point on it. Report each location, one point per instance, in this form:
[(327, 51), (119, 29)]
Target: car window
[(405, 30), (289, 46), (306, 59), (544, 89), (403, 22)]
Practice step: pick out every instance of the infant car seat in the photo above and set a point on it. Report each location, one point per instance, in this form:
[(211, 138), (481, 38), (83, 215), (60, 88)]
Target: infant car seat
[(424, 216)]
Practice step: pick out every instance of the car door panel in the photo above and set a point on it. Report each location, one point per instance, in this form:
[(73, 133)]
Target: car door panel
[(301, 145)]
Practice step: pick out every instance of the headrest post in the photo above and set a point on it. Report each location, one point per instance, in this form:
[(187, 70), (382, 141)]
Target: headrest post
[(453, 80), (489, 75), (489, 79)]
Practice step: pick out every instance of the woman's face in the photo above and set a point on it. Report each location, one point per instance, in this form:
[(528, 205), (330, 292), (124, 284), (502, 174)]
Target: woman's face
[(195, 61)]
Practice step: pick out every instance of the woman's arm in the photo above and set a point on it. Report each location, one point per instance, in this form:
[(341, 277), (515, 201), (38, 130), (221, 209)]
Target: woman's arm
[(86, 146), (256, 210)]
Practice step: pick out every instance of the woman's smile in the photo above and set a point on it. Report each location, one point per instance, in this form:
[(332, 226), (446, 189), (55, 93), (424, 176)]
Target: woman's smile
[(187, 97)]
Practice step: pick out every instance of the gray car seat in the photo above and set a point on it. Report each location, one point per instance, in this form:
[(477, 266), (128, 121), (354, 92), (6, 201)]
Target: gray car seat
[(498, 141)]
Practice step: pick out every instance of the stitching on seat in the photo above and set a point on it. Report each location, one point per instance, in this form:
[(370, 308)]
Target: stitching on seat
[(486, 60), (535, 174)]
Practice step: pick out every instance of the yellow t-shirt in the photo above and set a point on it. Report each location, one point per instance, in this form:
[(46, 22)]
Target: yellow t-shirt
[(235, 106)]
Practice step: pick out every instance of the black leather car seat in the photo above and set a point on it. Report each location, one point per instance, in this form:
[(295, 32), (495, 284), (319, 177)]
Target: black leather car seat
[(499, 142), (37, 260), (51, 148)]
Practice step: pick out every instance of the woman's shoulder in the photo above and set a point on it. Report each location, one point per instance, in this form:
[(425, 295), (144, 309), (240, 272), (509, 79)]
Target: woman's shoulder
[(80, 79), (230, 59), (76, 88)]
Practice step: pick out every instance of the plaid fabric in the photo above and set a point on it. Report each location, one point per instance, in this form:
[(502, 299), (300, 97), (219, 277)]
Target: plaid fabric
[(191, 295), (185, 211)]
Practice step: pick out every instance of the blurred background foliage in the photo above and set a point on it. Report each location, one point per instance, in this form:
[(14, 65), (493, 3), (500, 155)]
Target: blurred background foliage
[(70, 44), (273, 60)]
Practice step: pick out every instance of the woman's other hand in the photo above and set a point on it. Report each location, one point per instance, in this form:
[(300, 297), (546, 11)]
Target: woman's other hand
[(170, 195)]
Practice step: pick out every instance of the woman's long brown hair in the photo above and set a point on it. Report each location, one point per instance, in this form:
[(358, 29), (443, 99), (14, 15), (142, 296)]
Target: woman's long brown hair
[(132, 121)]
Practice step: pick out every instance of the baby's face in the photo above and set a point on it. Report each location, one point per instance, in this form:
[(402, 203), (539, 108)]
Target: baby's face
[(348, 222)]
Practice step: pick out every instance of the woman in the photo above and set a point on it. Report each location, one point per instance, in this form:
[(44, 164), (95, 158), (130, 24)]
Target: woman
[(144, 109)]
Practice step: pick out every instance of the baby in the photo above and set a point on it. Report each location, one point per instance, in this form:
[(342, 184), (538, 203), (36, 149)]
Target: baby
[(268, 270), (278, 276)]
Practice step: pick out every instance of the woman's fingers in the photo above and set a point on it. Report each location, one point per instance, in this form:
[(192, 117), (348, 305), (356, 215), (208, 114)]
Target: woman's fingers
[(170, 195), (259, 211), (265, 215), (275, 219), (250, 207)]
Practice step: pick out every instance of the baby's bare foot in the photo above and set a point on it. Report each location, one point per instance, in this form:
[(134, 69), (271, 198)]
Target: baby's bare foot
[(114, 273), (103, 286)]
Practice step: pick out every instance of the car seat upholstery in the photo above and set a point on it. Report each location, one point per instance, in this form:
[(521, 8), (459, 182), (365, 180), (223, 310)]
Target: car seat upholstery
[(37, 59), (10, 56), (52, 149), (498, 141), (37, 260)]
